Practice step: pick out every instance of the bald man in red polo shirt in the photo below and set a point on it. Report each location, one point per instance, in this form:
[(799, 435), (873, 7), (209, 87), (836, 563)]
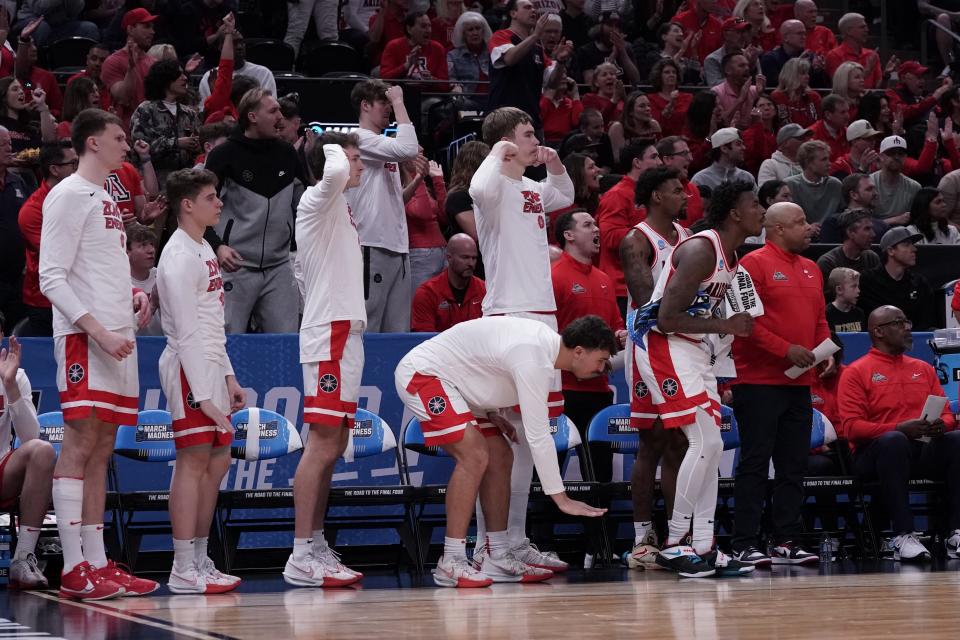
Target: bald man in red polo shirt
[(452, 296)]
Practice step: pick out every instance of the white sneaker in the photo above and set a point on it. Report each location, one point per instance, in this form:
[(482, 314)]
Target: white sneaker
[(311, 572), (459, 572), (25, 574), (528, 553), (330, 558), (952, 543), (508, 568), (907, 547), (644, 554), (186, 582), (217, 582)]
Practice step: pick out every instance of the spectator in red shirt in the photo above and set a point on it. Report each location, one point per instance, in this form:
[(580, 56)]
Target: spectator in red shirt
[(773, 412), (675, 153), (762, 33), (57, 161), (560, 110), (452, 296), (31, 76), (760, 138), (832, 127), (700, 18), (125, 70), (795, 100), (442, 25), (908, 96), (581, 289), (617, 212), (20, 116), (880, 397), (820, 39), (607, 95), (425, 211), (668, 105), (855, 31), (386, 25), (95, 57), (415, 56)]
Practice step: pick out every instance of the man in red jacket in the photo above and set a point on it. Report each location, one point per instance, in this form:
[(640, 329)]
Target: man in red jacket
[(881, 400), (774, 413), (617, 213), (57, 161), (908, 95), (452, 296)]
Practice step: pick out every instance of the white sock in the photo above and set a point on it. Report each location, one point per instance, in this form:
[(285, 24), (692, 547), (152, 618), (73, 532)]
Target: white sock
[(26, 541), (68, 503), (93, 550), (454, 548), (200, 547), (498, 543), (319, 542), (302, 548), (640, 531), (184, 554)]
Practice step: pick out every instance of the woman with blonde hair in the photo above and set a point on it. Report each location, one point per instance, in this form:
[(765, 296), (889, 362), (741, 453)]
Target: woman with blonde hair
[(762, 33), (795, 100), (636, 121), (848, 83), (607, 95), (468, 63)]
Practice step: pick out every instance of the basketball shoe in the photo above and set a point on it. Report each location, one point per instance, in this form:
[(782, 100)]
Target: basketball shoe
[(644, 554), (83, 582), (132, 585), (725, 565), (752, 555), (685, 562), (26, 574), (330, 558), (214, 578), (507, 568), (906, 547), (194, 581), (310, 572), (459, 572), (528, 553), (789, 553), (952, 543)]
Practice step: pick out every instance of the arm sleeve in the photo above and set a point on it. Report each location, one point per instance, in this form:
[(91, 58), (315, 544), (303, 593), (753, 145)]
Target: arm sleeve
[(30, 224), (923, 164), (392, 60), (854, 406), (558, 191), (62, 232), (485, 184), (403, 147), (533, 387), (22, 413), (219, 98), (614, 225), (177, 283), (336, 174)]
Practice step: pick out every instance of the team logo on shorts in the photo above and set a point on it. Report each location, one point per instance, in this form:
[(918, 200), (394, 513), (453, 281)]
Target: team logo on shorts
[(191, 402), (75, 373), (436, 405), (640, 389), (670, 387), (328, 383)]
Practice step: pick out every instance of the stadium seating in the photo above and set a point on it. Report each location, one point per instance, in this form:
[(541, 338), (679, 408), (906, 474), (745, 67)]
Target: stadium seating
[(276, 55)]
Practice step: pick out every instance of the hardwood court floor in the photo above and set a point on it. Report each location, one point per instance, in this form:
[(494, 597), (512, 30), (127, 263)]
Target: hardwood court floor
[(881, 600)]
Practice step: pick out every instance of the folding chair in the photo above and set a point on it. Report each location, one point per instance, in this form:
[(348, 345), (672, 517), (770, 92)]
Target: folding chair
[(427, 516), (610, 433), (275, 55), (317, 60)]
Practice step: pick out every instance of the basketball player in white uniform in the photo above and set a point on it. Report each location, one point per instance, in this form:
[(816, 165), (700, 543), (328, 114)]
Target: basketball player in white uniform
[(85, 273), (197, 379), (511, 214), (674, 363), (329, 271), (644, 253), (471, 371)]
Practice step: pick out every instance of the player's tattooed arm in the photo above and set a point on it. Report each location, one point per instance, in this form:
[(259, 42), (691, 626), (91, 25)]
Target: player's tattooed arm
[(635, 260)]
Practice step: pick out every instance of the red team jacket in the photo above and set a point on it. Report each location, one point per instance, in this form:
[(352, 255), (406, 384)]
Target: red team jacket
[(435, 309), (879, 391), (31, 221), (616, 215), (582, 290)]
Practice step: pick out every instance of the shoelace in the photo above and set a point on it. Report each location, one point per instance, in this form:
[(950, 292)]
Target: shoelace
[(206, 567), (328, 558)]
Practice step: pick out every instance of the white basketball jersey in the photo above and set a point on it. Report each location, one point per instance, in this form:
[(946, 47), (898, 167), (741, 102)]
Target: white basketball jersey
[(662, 250), (712, 290)]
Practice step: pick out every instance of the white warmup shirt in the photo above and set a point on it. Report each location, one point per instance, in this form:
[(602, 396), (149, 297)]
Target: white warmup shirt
[(191, 296), (501, 362), (83, 257), (329, 263), (19, 416), (378, 202), (512, 228)]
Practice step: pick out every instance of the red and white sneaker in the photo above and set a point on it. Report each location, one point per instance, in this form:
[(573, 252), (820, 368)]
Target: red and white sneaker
[(508, 568), (331, 559), (132, 585), (460, 573), (311, 572), (83, 582), (528, 553), (217, 582)]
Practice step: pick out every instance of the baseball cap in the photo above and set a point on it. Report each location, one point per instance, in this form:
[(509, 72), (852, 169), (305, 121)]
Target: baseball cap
[(724, 136), (137, 16), (911, 66), (735, 24), (791, 130), (893, 142), (897, 235), (861, 129)]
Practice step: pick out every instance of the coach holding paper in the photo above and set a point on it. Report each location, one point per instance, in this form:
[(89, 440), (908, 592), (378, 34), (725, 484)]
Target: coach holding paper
[(774, 413)]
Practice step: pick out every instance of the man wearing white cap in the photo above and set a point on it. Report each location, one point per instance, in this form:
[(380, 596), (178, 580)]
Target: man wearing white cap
[(727, 153), (783, 163), (895, 191), (863, 156)]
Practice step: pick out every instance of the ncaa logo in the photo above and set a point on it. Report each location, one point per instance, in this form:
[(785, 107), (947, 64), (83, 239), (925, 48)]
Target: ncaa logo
[(640, 389), (328, 383), (670, 387), (246, 175), (191, 402), (436, 405), (75, 373)]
